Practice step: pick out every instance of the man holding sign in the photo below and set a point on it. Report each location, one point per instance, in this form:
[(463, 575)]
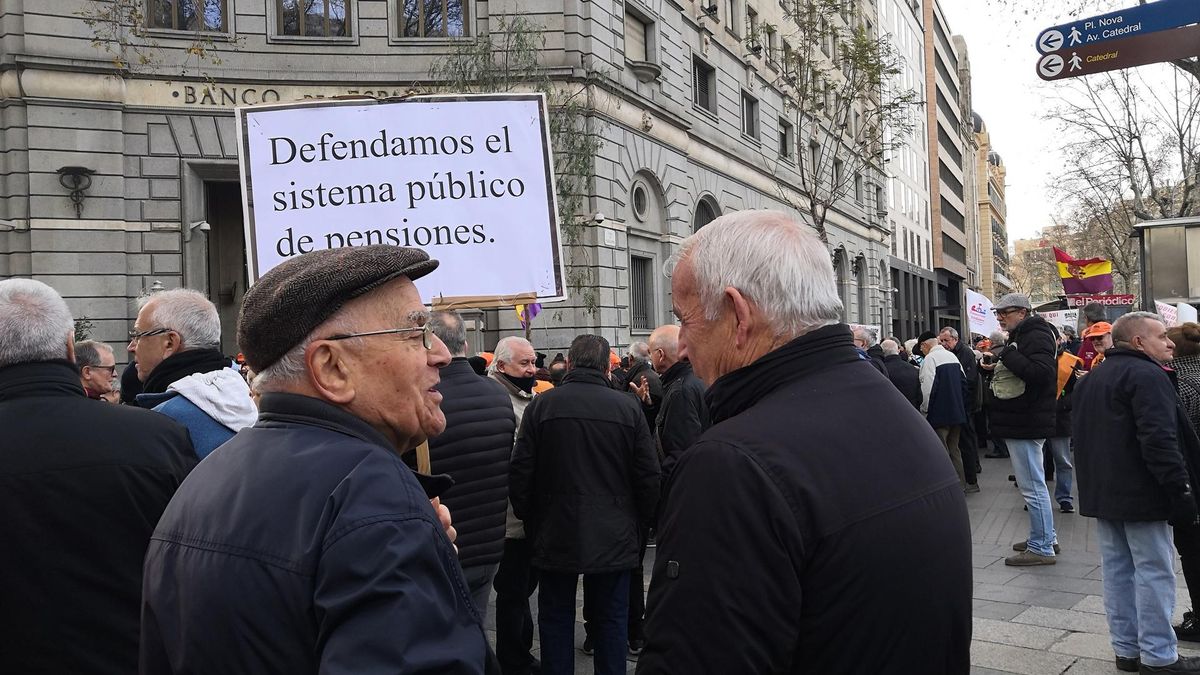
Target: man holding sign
[(304, 544)]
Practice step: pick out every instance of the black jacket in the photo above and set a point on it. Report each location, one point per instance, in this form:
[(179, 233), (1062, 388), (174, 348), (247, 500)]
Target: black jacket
[(475, 449), (1126, 429), (584, 476), (684, 414), (1029, 354), (771, 559), (305, 545), (82, 485), (634, 376), (905, 376), (966, 358)]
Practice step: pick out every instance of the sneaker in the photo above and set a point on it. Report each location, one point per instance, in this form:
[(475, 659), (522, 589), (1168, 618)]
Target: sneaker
[(1030, 559), (636, 647), (1127, 664), (1190, 628), (587, 646), (1023, 545), (1066, 507), (1184, 664), (971, 488)]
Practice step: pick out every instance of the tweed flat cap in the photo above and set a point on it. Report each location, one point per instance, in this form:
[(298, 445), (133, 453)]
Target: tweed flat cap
[(299, 294)]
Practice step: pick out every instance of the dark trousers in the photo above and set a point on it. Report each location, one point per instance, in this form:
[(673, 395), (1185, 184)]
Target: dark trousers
[(637, 594), (515, 582), (967, 446), (1187, 542), (607, 595)]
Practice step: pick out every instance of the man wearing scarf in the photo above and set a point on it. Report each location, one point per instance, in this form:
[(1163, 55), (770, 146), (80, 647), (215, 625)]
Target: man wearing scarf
[(794, 536), (185, 376)]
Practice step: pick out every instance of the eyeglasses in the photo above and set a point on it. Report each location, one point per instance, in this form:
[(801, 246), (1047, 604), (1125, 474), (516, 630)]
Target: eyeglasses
[(133, 336), (1006, 310), (426, 334), (111, 369)]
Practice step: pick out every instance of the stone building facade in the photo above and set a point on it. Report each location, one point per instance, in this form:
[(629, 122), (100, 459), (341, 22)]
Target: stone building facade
[(692, 127), (993, 234)]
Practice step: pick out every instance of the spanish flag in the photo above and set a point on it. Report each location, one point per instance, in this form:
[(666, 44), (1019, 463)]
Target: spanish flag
[(1080, 277)]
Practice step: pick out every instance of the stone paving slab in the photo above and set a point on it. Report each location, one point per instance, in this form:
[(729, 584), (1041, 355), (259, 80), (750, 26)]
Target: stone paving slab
[(1015, 634), (1009, 659)]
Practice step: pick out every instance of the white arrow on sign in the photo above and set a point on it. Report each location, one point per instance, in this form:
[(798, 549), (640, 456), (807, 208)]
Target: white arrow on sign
[(1050, 41), (1050, 65)]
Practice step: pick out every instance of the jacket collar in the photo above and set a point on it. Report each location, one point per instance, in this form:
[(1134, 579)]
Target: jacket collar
[(817, 350), (282, 408), (1125, 352), (678, 371), (586, 376), (512, 389), (278, 408), (40, 378)]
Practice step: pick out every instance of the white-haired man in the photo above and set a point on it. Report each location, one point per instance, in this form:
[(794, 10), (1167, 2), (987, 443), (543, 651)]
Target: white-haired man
[(97, 368), (903, 374), (305, 545), (81, 487), (514, 365), (185, 376), (799, 573)]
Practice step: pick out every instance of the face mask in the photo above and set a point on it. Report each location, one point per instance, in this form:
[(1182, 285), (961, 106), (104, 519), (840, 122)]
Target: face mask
[(525, 384)]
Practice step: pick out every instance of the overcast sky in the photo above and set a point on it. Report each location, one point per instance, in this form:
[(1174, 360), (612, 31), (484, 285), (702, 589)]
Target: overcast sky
[(1011, 98)]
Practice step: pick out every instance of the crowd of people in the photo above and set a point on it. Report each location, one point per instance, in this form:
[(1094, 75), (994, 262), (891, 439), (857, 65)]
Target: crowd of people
[(272, 514)]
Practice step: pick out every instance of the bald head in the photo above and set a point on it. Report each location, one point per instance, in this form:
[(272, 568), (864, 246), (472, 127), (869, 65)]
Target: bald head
[(664, 347)]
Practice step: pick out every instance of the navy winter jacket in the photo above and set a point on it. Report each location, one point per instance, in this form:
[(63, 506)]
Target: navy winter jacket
[(305, 545)]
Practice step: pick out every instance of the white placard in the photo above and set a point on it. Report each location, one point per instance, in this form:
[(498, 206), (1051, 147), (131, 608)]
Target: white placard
[(468, 179), (979, 313), (1168, 312), (1062, 317), (1185, 313)]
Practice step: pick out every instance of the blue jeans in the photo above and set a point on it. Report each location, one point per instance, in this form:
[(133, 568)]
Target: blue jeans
[(607, 598), (1026, 455), (1064, 470), (1139, 589)]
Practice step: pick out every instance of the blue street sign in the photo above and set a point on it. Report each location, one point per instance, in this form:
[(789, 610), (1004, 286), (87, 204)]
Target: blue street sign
[(1148, 18)]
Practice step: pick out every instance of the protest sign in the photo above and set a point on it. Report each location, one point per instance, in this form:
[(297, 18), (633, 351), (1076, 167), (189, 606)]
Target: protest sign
[(468, 179), (979, 313), (1168, 312)]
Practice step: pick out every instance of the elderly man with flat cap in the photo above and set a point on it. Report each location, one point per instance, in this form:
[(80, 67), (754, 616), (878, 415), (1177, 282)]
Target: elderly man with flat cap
[(304, 544)]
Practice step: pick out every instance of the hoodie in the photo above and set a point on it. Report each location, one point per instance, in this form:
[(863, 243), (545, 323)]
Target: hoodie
[(213, 406)]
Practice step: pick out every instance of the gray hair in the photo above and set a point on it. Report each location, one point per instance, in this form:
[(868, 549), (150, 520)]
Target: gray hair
[(291, 367), (640, 351), (504, 351), (774, 261), (35, 324), (865, 334), (949, 330), (189, 313), (998, 338), (1127, 325), (889, 347), (449, 328), (87, 353)]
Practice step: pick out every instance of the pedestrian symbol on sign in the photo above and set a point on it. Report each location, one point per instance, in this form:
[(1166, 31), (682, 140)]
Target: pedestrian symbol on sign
[(1050, 65), (1076, 62), (1075, 36)]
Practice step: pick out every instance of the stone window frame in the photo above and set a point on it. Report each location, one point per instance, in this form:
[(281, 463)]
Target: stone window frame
[(226, 35), (274, 8), (396, 15)]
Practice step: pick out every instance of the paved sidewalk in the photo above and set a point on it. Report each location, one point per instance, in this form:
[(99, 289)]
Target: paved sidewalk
[(1037, 620), (1033, 621)]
